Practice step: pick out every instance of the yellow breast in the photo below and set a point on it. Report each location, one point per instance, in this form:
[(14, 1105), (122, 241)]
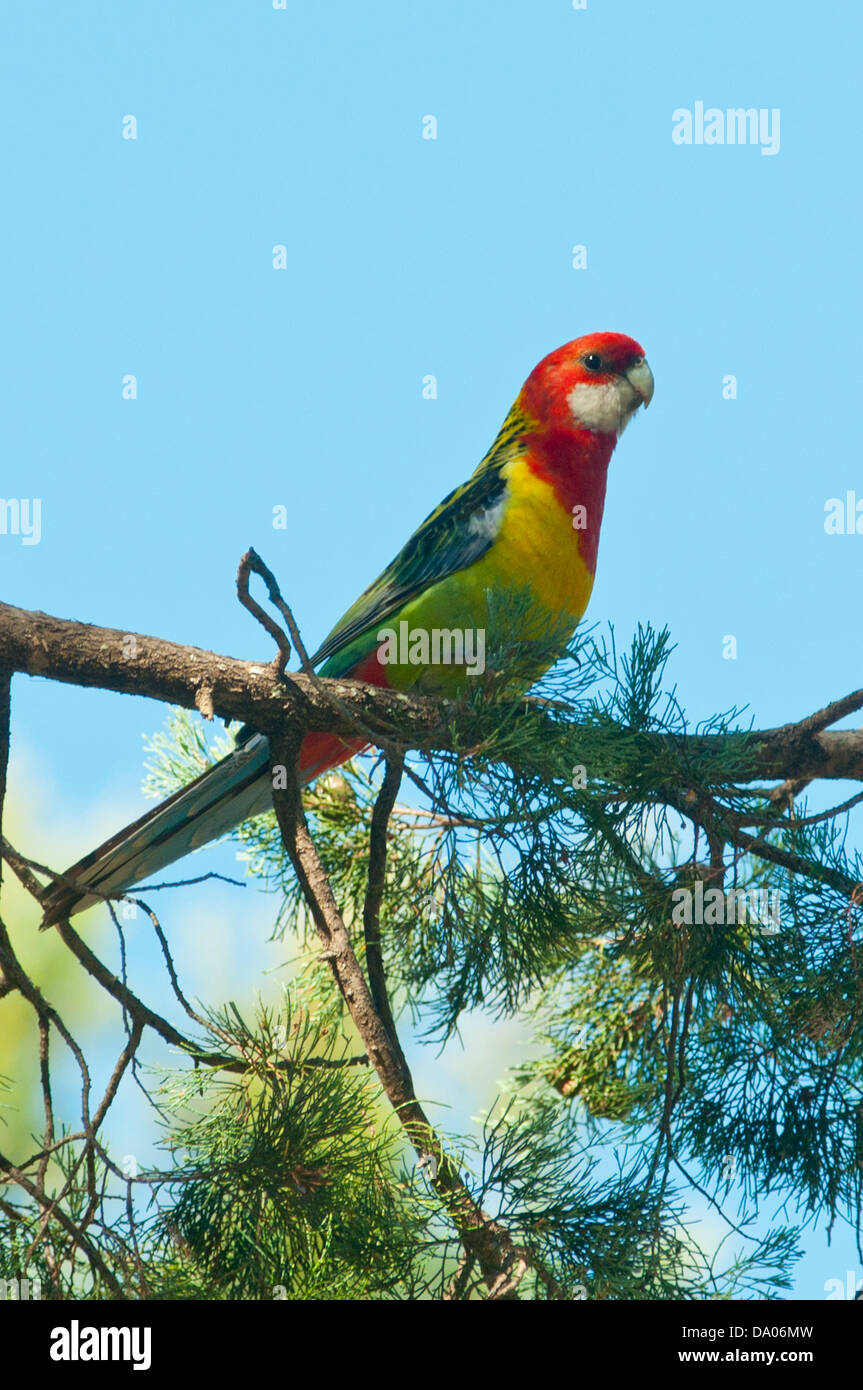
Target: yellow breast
[(538, 545)]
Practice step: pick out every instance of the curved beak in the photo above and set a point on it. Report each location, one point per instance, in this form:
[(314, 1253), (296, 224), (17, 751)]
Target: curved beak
[(640, 378)]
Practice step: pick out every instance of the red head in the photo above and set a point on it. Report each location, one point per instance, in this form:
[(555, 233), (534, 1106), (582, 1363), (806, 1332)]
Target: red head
[(576, 402), (595, 383)]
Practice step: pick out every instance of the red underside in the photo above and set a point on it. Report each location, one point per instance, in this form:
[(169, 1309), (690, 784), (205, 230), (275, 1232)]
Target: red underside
[(320, 752)]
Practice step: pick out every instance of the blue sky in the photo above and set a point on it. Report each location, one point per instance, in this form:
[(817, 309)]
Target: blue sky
[(258, 387)]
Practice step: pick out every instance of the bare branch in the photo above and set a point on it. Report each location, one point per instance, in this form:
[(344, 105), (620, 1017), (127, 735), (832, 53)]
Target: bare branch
[(498, 1257), (374, 898), (252, 562), (98, 657)]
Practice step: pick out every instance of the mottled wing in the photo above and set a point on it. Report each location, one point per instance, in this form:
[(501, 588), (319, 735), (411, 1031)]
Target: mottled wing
[(456, 534)]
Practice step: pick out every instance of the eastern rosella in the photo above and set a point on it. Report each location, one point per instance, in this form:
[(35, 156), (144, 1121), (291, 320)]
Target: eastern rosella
[(528, 517)]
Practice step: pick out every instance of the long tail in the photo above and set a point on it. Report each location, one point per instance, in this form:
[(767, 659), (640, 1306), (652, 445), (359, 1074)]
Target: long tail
[(232, 790)]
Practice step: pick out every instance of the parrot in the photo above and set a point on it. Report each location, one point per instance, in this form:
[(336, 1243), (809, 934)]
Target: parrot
[(528, 518)]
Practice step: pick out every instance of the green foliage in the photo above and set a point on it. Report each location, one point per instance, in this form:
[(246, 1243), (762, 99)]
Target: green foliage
[(522, 887), (536, 871), (289, 1183), (594, 1226)]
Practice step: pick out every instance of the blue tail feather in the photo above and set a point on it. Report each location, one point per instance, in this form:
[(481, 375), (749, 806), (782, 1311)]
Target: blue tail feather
[(229, 792)]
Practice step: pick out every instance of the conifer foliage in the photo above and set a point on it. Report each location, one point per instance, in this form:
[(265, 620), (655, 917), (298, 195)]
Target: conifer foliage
[(677, 930)]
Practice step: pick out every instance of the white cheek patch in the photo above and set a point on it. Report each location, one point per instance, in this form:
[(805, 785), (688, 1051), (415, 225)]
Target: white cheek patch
[(486, 523), (598, 406)]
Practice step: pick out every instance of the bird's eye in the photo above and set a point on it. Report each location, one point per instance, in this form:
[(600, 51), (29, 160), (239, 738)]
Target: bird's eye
[(592, 361)]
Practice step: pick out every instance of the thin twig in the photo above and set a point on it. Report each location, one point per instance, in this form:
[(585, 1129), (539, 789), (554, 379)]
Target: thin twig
[(496, 1253), (250, 563), (374, 898)]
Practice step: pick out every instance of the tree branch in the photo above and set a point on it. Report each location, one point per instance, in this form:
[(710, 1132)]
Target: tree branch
[(374, 898), (496, 1253), (130, 663)]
